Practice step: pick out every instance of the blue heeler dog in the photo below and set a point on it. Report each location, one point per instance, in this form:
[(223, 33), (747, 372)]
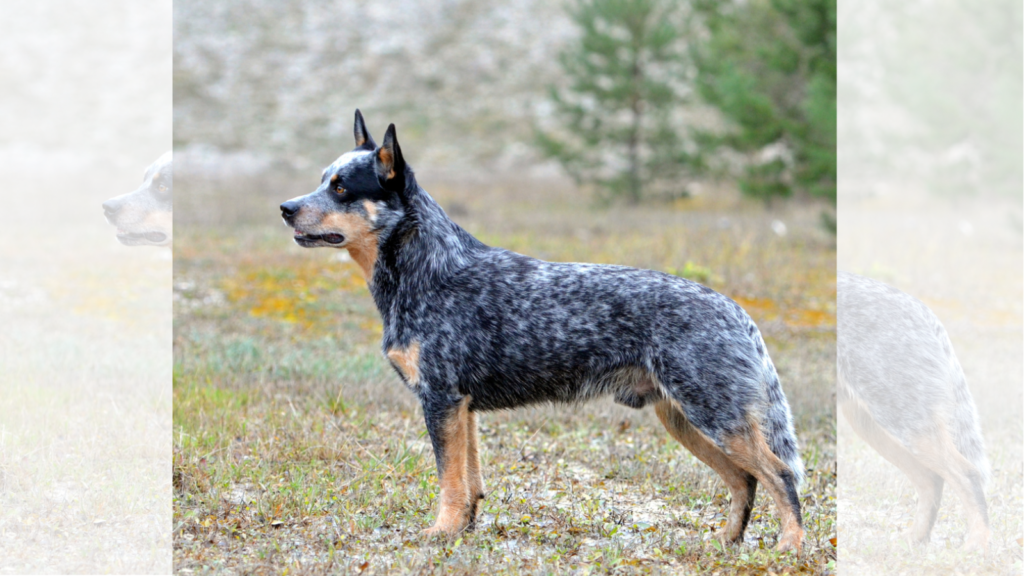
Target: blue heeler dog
[(902, 390), (143, 217), (473, 328)]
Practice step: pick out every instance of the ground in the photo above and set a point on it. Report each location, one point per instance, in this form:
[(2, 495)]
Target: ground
[(296, 448), (85, 402)]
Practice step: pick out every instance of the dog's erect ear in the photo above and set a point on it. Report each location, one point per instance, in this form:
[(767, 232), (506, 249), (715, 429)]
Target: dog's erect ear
[(363, 138), (389, 162)]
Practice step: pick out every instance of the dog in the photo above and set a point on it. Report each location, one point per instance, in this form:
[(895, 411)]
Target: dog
[(143, 217), (903, 391), (471, 328)]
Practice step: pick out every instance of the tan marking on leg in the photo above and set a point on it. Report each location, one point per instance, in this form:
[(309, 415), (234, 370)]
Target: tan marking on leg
[(454, 514), (750, 452), (362, 240), (927, 482), (408, 362), (476, 478), (735, 478)]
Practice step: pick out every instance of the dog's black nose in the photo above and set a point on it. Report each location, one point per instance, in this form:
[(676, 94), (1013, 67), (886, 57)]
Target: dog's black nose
[(288, 209), (110, 208)]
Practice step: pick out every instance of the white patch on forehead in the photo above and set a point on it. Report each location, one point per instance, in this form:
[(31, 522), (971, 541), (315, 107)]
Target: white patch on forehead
[(348, 158)]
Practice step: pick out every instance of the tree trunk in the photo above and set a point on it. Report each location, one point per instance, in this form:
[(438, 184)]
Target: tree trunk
[(636, 107)]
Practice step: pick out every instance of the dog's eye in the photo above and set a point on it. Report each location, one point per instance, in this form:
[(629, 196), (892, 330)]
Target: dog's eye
[(163, 188), (339, 190)]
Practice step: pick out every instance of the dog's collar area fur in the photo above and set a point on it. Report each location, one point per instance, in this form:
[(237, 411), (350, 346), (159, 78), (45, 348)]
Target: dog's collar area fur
[(421, 250)]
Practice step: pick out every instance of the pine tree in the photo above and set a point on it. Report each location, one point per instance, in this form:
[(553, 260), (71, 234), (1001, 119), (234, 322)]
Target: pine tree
[(770, 67), (625, 77)]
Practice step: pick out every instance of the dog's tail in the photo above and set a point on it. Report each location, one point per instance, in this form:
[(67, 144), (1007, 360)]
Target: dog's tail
[(777, 422), (963, 417)]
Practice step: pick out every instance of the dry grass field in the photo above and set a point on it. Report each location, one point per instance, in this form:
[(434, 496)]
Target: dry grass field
[(298, 450), (85, 403)]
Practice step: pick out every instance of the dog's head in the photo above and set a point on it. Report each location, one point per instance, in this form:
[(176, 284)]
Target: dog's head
[(359, 196), (144, 217)]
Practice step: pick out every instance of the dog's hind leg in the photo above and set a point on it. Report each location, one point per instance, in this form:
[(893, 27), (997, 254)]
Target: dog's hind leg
[(928, 483), (749, 451), (742, 485), (939, 453), (448, 425)]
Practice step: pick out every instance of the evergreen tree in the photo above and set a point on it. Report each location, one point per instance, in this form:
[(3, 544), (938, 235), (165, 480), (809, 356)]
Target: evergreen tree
[(625, 79), (770, 67)]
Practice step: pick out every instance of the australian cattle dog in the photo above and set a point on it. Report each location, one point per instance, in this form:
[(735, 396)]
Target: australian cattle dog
[(143, 217), (472, 328)]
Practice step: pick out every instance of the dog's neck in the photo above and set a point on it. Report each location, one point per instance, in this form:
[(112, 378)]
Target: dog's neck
[(421, 251)]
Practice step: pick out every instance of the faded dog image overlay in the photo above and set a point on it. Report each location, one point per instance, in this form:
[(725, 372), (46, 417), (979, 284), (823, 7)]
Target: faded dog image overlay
[(144, 217), (903, 391), (930, 236), (85, 321)]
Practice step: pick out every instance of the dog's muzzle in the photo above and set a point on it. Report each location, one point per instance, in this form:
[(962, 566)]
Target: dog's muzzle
[(110, 210), (313, 238), (289, 210)]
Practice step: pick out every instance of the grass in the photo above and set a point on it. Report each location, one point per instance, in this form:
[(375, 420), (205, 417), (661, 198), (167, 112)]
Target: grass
[(297, 449), (84, 406)]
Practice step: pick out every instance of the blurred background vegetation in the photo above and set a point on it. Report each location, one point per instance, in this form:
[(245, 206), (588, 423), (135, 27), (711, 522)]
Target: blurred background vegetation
[(931, 98), (634, 99)]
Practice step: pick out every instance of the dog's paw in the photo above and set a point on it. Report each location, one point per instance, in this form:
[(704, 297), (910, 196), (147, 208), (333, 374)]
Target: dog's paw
[(441, 531), (790, 542), (434, 530), (977, 543), (726, 539), (447, 529)]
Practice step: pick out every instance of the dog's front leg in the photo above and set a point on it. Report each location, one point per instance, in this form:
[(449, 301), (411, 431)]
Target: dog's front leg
[(448, 424)]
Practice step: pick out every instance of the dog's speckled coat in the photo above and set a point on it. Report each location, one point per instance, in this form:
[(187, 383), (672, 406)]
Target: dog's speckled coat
[(471, 327)]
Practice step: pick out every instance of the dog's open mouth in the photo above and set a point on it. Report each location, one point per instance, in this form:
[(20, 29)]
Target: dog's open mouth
[(132, 238), (302, 238)]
